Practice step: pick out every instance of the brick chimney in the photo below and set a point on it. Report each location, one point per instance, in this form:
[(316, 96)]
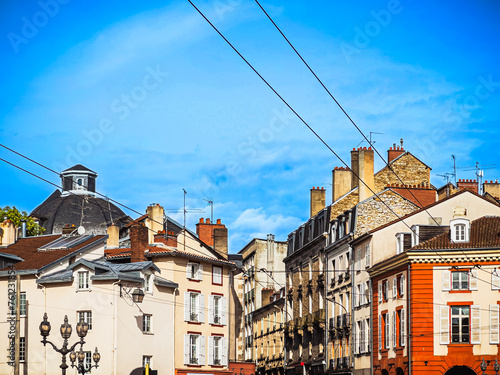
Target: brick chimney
[(365, 173), (492, 188), (467, 184), (7, 232), (138, 242), (318, 197), (394, 152), (169, 239), (113, 240), (154, 221), (341, 182), (213, 234)]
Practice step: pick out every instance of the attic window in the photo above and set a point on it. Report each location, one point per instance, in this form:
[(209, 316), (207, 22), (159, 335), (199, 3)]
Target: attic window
[(459, 230)]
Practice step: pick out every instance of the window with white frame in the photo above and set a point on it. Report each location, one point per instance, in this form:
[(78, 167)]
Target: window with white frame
[(86, 316), (460, 279), (459, 230), (362, 338), (460, 324), (194, 271), (194, 306), (401, 285), (217, 348), (148, 279), (217, 275), (217, 310), (387, 326), (402, 327), (358, 259), (146, 323), (87, 362), (22, 349), (13, 304), (194, 349), (83, 280)]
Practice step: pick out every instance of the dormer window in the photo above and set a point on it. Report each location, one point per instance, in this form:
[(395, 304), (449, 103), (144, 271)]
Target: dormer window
[(459, 230)]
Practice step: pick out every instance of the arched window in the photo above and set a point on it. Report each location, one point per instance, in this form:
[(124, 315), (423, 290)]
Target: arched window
[(459, 230)]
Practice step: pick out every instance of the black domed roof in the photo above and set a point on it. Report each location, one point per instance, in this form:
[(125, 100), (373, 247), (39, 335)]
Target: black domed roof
[(94, 214), (78, 205)]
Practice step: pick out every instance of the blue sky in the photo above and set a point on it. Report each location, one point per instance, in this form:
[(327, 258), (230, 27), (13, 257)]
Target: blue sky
[(150, 97)]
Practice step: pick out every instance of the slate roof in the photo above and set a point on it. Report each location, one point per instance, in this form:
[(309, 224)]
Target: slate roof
[(484, 233), (27, 249), (98, 213), (118, 253), (107, 271), (79, 167)]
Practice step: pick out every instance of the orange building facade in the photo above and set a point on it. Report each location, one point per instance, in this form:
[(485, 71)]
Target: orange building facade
[(451, 322)]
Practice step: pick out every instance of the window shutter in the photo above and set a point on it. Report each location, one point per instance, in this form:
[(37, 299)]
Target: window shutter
[(188, 271), (475, 312), (473, 279), (201, 351), (387, 289), (495, 280), (368, 291), (210, 360), (201, 311), (445, 281), (200, 272), (394, 330), (367, 255), (224, 351), (380, 293), (494, 322), (186, 349), (394, 287), (362, 293), (444, 324), (223, 311), (402, 286), (379, 332), (356, 296), (367, 336), (355, 338), (402, 331), (187, 305), (210, 311)]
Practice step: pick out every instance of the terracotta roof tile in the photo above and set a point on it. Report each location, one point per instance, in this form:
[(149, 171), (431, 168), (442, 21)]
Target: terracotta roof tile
[(27, 248), (484, 233)]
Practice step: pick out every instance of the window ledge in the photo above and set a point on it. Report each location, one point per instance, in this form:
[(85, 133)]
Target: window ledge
[(461, 291)]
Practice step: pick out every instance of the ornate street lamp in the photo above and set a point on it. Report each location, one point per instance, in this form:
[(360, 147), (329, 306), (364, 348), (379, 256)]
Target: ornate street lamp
[(496, 367), (137, 295), (483, 367), (66, 330)]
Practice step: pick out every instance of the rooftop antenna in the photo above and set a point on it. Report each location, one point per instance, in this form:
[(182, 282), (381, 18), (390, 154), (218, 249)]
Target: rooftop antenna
[(454, 169), (373, 142), (211, 203), (479, 172)]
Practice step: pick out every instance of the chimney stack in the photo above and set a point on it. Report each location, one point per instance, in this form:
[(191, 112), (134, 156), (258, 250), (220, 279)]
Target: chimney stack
[(317, 200), (366, 173), (154, 221), (214, 235), (7, 232), (467, 184), (113, 240), (138, 242), (341, 182), (354, 167), (492, 188), (395, 151)]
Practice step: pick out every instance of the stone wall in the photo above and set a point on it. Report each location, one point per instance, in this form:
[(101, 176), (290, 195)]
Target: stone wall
[(374, 213), (411, 170)]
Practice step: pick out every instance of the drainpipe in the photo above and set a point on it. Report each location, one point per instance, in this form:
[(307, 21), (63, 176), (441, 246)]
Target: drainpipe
[(353, 329), (23, 228), (326, 278), (409, 322), (115, 312)]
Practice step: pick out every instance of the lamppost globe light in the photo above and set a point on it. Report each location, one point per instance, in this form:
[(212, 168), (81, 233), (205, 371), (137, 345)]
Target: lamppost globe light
[(82, 328), (72, 356), (66, 329), (96, 356), (483, 366), (45, 326), (496, 366), (81, 356)]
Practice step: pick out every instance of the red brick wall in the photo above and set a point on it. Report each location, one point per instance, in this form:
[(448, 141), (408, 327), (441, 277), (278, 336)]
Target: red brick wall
[(205, 230), (138, 242), (422, 194)]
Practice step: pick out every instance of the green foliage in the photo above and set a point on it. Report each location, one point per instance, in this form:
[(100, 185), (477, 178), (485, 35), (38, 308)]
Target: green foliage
[(14, 215)]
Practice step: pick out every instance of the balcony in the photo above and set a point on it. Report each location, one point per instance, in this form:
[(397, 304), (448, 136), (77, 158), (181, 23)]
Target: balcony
[(347, 275), (319, 316), (341, 278), (331, 325), (332, 283), (346, 362)]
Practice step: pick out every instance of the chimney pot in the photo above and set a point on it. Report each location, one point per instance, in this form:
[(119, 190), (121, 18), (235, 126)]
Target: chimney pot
[(201, 220), (218, 221), (207, 220)]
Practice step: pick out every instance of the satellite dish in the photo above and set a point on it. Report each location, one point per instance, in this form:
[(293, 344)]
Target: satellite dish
[(81, 230)]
